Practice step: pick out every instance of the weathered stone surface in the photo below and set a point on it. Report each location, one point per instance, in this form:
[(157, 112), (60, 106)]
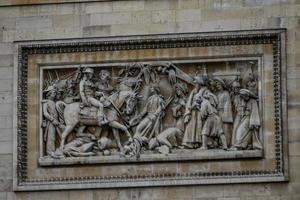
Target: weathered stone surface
[(214, 16)]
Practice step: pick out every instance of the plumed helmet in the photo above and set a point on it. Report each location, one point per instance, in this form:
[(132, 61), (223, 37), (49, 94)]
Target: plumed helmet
[(88, 70)]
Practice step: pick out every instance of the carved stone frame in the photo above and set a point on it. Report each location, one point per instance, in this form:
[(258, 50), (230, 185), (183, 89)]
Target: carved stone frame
[(23, 49)]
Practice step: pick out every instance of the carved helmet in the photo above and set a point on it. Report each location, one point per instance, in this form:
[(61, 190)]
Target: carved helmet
[(88, 70), (220, 80)]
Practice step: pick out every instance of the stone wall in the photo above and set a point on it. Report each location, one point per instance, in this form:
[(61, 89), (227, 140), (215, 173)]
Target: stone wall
[(109, 18)]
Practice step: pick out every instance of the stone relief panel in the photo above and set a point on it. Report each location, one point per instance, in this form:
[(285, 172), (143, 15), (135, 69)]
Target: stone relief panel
[(177, 109), (134, 111)]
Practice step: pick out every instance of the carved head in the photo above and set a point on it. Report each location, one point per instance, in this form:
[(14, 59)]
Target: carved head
[(51, 92), (220, 84), (181, 89), (154, 89), (88, 72), (247, 94), (236, 86), (104, 75)]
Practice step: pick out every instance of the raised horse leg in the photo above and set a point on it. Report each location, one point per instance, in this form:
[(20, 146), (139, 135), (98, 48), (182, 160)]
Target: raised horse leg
[(65, 134)]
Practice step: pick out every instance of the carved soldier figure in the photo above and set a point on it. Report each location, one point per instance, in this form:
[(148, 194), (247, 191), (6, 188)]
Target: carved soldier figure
[(87, 94), (192, 117), (212, 124), (52, 126), (151, 116), (248, 128), (224, 107), (168, 137), (103, 84)]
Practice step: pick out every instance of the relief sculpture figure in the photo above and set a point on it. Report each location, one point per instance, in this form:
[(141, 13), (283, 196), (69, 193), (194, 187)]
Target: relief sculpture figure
[(151, 116), (87, 94), (192, 116), (224, 107), (247, 132), (212, 124), (73, 111), (168, 139), (52, 125)]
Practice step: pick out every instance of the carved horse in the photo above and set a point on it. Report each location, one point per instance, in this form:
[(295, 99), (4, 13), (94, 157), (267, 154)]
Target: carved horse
[(122, 100)]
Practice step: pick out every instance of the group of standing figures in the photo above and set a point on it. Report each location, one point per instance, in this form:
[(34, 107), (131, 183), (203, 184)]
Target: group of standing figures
[(209, 112)]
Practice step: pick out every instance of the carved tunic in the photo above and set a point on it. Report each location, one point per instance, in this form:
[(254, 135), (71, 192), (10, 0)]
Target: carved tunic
[(88, 88), (50, 113), (224, 106), (212, 124), (192, 133)]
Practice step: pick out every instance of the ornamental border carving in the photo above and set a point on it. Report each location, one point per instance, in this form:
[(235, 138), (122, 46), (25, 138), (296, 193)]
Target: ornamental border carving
[(276, 37)]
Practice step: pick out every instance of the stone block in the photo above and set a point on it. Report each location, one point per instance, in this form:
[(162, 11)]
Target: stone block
[(6, 60), (98, 7), (96, 31), (157, 5), (208, 192), (10, 196), (221, 25), (7, 23), (5, 97), (5, 85), (5, 185), (9, 12), (66, 21), (5, 147), (163, 16), (6, 134), (81, 195), (188, 15), (6, 121), (142, 17), (188, 26), (111, 18), (34, 22), (6, 172), (112, 194), (6, 109), (2, 195), (6, 72), (133, 5), (6, 48), (6, 160), (294, 147), (187, 4), (7, 35)]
